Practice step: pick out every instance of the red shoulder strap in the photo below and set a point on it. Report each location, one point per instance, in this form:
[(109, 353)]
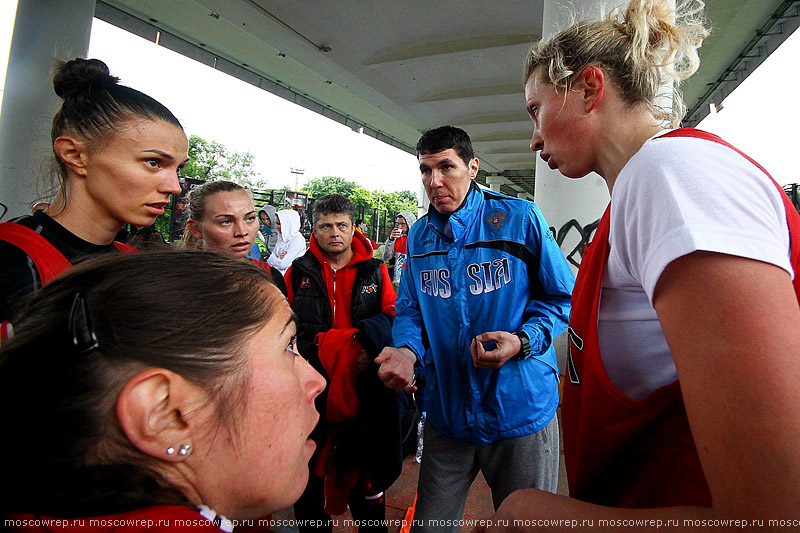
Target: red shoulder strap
[(792, 216), (6, 331), (48, 260), (125, 248), (263, 265)]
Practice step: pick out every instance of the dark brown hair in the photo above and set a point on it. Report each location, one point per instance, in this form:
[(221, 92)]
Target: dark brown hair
[(95, 105), (188, 312), (333, 204), (446, 137)]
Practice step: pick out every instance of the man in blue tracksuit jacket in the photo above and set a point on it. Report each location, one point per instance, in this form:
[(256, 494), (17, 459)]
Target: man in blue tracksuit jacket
[(486, 291)]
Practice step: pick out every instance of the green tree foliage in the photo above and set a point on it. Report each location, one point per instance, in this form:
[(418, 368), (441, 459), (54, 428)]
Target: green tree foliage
[(366, 201), (408, 198), (329, 185), (391, 202), (361, 197), (394, 202), (211, 160), (162, 224)]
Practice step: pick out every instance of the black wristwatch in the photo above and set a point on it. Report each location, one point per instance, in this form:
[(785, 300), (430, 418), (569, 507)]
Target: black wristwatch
[(524, 346)]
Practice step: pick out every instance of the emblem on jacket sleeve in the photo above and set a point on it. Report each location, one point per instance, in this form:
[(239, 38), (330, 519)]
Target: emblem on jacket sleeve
[(369, 289), (305, 282), (495, 219)]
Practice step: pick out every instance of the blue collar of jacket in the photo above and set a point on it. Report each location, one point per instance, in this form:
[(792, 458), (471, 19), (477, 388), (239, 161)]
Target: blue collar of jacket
[(461, 219)]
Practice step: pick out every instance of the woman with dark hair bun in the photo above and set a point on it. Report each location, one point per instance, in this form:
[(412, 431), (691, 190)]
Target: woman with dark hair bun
[(126, 419), (117, 153)]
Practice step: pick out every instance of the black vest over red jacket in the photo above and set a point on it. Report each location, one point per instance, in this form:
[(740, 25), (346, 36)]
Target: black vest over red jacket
[(312, 303)]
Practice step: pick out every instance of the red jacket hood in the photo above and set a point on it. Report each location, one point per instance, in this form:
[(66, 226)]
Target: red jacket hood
[(362, 250)]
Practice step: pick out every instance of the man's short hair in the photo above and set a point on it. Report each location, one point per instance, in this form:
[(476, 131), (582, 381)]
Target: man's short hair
[(443, 138), (333, 203), (359, 221)]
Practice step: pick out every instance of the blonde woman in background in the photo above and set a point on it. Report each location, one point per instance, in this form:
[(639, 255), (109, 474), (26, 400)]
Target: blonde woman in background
[(682, 397), (222, 219)]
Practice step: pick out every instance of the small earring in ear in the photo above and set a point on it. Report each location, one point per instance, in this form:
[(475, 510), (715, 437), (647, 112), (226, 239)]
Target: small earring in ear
[(170, 451), (185, 449)]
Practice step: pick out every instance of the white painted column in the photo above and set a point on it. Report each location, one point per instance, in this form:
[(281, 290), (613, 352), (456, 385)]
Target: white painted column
[(424, 201), (495, 181), (569, 205), (44, 30), (564, 200)]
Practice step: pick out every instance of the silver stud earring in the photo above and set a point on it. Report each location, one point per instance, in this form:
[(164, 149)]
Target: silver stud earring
[(185, 449), (170, 451)]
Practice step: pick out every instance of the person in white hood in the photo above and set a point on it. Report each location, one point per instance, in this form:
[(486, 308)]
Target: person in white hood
[(291, 243)]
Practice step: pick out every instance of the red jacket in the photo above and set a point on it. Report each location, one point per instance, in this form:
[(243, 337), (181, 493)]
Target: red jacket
[(339, 283), (370, 241)]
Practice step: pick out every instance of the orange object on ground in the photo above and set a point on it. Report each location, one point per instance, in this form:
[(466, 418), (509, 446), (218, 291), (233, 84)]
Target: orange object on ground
[(409, 517)]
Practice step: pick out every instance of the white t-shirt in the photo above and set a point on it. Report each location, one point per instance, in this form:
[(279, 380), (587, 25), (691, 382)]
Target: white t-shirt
[(676, 196)]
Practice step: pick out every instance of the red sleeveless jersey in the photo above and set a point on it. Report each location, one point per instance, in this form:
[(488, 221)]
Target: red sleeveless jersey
[(620, 451), (48, 260)]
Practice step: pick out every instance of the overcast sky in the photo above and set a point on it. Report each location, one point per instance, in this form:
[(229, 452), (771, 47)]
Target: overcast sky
[(759, 117), (279, 134)]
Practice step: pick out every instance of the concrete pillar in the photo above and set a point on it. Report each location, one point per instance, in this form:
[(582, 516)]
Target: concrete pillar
[(563, 200), (424, 201), (44, 30), (494, 182)]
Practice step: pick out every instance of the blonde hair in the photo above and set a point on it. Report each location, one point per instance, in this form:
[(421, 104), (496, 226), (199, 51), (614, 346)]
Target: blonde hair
[(197, 202), (641, 49)]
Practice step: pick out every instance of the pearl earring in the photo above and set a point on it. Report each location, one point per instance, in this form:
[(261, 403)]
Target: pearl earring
[(185, 449), (170, 451)]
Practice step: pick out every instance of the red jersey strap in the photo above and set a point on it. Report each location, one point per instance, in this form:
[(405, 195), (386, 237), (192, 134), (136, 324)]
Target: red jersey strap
[(792, 216), (48, 260), (264, 266), (620, 451), (124, 248)]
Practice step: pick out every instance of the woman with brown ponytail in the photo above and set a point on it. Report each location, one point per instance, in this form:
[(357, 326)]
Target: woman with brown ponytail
[(681, 400), (118, 418)]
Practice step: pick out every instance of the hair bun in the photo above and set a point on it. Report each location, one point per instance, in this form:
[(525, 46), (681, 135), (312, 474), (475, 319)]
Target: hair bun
[(79, 75)]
